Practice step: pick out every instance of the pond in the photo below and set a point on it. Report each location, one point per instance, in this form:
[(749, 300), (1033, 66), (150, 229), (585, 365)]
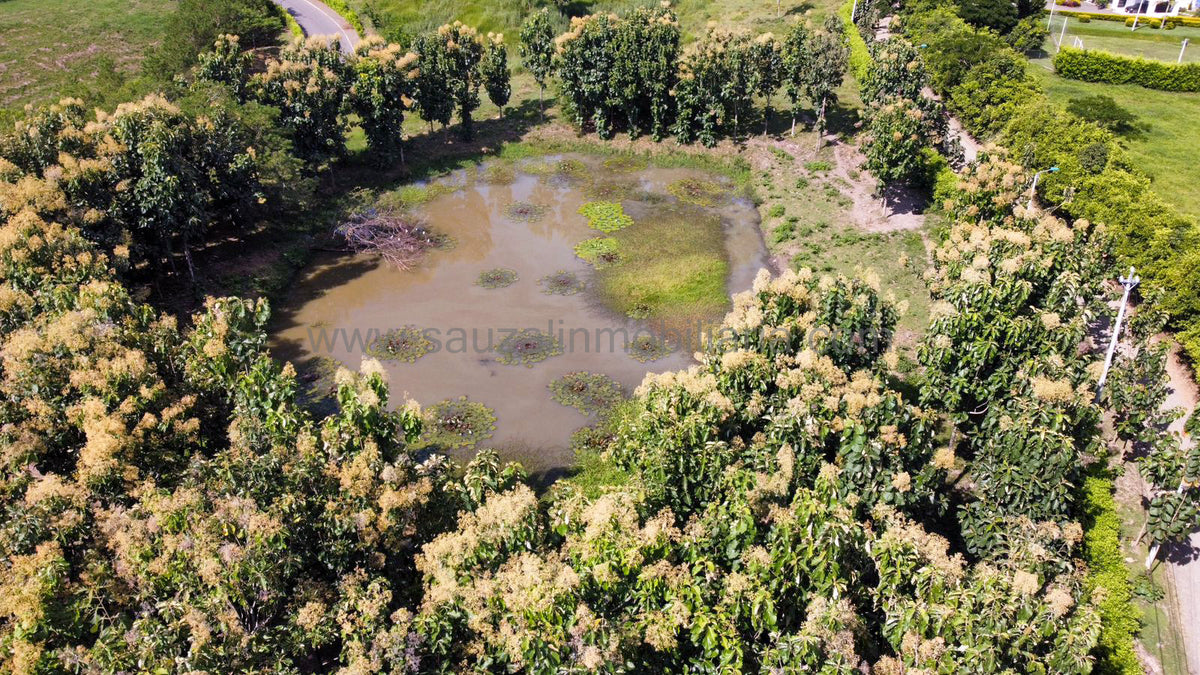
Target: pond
[(508, 308)]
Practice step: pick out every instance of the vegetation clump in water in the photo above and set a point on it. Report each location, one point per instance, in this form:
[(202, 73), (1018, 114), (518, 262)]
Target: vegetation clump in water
[(625, 163), (525, 212), (498, 173), (646, 348), (599, 251), (395, 237), (497, 278), (561, 282), (405, 344), (586, 392), (605, 216), (697, 191), (609, 190), (527, 347), (458, 423)]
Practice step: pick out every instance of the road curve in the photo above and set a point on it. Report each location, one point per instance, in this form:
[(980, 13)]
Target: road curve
[(316, 18)]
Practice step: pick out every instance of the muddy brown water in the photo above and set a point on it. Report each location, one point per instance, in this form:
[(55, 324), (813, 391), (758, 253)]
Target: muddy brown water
[(340, 300)]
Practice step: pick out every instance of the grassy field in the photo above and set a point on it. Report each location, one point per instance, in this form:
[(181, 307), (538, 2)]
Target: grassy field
[(505, 16), (51, 48), (1165, 144), (1112, 36)]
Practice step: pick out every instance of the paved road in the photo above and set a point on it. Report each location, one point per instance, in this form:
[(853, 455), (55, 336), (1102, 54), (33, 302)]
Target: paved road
[(316, 18)]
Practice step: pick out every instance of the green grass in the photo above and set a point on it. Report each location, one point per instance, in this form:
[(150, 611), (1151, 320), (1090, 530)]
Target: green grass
[(1166, 148), (53, 48), (1116, 37), (673, 270)]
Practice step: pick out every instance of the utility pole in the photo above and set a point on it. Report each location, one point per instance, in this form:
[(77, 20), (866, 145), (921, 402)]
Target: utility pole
[(1129, 282), (1033, 188), (1181, 48)]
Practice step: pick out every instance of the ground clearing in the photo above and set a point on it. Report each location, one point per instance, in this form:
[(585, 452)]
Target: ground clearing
[(54, 48)]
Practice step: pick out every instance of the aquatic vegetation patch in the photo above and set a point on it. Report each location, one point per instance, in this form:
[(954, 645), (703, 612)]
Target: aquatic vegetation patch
[(599, 251), (625, 163), (586, 392), (561, 282), (405, 344), (497, 278), (411, 196), (698, 191), (525, 212), (646, 348), (610, 190), (527, 347), (498, 173), (458, 423), (605, 216)]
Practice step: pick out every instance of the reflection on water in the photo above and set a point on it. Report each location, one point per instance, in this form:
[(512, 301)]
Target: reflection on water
[(343, 300)]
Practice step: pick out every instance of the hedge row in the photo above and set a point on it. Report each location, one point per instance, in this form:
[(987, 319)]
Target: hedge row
[(1119, 619), (860, 56), (1091, 65)]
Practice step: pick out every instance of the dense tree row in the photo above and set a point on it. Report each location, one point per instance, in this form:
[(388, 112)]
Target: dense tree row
[(631, 72)]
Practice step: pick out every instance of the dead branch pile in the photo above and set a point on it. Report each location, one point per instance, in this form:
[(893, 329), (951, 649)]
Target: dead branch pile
[(397, 238)]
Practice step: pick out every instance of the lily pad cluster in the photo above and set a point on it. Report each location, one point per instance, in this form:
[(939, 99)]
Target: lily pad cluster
[(697, 191), (405, 344), (599, 251), (561, 282), (458, 423), (525, 212), (605, 216), (586, 392), (527, 347), (497, 278), (646, 348)]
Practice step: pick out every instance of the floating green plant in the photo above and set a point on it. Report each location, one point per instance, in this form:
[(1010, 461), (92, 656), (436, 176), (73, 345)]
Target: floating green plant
[(498, 173), (646, 348), (625, 163), (570, 169), (599, 251), (458, 423), (527, 347), (525, 212), (609, 190), (497, 278), (697, 191), (400, 344), (605, 216), (586, 392), (411, 196), (561, 282)]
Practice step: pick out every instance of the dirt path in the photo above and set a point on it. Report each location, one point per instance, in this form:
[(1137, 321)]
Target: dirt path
[(1182, 564)]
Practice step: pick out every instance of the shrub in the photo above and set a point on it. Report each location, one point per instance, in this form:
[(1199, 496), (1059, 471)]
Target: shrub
[(1119, 619), (1085, 19), (1091, 65)]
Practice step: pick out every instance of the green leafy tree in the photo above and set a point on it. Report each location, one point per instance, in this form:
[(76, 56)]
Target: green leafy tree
[(310, 87), (537, 51), (897, 135), (767, 56), (830, 57), (896, 72), (716, 89), (384, 82), (196, 24), (435, 100), (494, 70), (226, 64), (998, 15), (797, 65), (464, 51)]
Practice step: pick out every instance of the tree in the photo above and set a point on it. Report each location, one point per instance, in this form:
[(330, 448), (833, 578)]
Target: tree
[(464, 51), (716, 87), (896, 72), (895, 141), (226, 64), (309, 85), (196, 24), (829, 60), (537, 51), (998, 15), (494, 71), (435, 100), (384, 82), (797, 65), (766, 55)]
